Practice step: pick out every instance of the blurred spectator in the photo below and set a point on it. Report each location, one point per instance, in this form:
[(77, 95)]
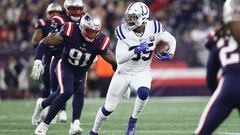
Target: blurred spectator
[(180, 17)]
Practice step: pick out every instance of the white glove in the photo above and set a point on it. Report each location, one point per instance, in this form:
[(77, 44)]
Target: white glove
[(127, 94), (37, 69)]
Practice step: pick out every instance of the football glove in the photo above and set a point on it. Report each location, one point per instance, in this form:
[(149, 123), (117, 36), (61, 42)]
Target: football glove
[(143, 46), (164, 57), (37, 69)]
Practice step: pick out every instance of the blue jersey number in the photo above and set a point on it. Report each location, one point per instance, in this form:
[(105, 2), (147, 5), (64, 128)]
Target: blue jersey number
[(145, 55), (77, 58)]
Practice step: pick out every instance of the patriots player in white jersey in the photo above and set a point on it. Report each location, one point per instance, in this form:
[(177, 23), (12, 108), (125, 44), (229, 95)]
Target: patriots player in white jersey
[(137, 38)]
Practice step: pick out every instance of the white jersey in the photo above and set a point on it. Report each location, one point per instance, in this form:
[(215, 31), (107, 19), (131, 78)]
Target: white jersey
[(130, 62)]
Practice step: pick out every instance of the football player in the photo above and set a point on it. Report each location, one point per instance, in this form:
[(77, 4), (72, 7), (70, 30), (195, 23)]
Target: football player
[(224, 55), (73, 12), (137, 39), (42, 29), (81, 45)]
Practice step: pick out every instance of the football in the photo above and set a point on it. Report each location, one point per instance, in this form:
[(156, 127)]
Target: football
[(161, 47)]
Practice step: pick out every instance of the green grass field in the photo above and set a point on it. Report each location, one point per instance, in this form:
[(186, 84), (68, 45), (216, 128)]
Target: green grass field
[(162, 116)]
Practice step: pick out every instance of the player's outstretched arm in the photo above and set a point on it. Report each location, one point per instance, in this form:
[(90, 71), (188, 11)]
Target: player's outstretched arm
[(37, 36), (110, 58), (53, 39)]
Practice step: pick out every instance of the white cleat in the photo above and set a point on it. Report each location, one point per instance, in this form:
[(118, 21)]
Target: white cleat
[(36, 117), (62, 116), (41, 129), (75, 128)]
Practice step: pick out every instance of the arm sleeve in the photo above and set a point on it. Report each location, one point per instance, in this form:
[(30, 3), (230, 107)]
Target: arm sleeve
[(170, 39), (122, 52), (213, 66)]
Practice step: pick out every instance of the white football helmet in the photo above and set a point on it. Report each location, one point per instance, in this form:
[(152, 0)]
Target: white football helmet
[(137, 14), (90, 26), (231, 11), (74, 9), (53, 7)]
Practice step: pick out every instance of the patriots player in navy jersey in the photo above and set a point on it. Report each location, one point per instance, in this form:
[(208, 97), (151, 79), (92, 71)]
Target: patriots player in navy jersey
[(73, 12), (42, 29), (81, 45), (225, 55)]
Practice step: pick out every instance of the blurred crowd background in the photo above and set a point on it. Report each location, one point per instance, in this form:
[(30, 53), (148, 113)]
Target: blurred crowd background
[(189, 21)]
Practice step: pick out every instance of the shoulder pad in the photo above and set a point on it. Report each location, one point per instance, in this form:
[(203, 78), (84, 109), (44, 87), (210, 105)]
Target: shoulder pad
[(158, 27), (119, 32), (59, 19), (105, 42)]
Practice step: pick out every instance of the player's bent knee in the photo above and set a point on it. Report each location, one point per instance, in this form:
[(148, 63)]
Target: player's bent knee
[(105, 111), (67, 93), (143, 93), (110, 107)]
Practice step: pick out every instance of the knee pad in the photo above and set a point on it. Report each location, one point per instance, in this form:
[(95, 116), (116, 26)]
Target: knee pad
[(143, 93)]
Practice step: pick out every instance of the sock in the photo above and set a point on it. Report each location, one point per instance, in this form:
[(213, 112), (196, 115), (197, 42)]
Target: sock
[(77, 105), (138, 107), (56, 106), (49, 100), (100, 118)]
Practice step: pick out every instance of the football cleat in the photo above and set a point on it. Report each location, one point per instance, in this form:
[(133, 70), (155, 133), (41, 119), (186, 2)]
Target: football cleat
[(75, 128), (131, 126), (36, 117), (92, 133), (41, 129), (62, 116)]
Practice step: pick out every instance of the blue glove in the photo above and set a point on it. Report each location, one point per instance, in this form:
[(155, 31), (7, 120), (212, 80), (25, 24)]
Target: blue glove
[(143, 46), (165, 56)]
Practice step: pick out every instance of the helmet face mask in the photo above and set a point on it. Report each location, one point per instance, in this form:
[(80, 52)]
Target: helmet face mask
[(90, 26), (137, 14), (90, 34), (53, 9), (131, 21), (74, 9)]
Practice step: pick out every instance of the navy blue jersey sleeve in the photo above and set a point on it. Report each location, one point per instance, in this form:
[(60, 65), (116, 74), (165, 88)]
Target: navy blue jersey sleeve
[(213, 66), (40, 24), (57, 23), (105, 42), (66, 30)]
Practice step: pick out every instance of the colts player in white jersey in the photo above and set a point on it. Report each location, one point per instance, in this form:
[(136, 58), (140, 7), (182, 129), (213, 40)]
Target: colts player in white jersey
[(137, 38)]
